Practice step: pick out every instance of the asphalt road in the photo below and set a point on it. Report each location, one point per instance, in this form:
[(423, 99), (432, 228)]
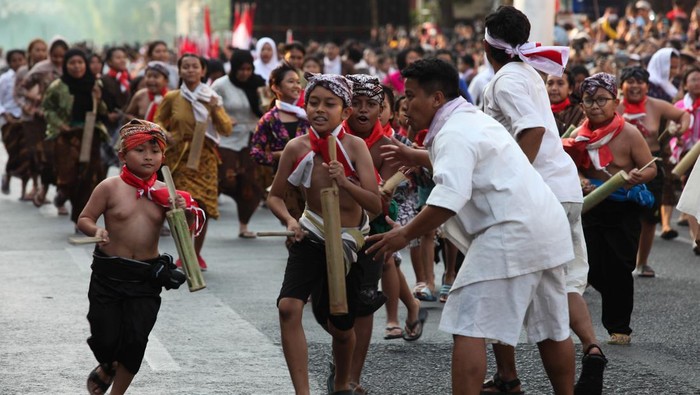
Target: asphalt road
[(225, 339)]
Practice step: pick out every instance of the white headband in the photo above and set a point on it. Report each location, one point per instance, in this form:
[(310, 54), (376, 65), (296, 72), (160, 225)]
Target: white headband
[(548, 59)]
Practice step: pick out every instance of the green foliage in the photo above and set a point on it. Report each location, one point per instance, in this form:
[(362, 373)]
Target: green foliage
[(99, 22)]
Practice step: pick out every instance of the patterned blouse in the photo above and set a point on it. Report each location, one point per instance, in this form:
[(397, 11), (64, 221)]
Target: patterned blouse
[(271, 135)]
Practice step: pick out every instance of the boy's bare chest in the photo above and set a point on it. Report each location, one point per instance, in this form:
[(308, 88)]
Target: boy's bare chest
[(126, 207)]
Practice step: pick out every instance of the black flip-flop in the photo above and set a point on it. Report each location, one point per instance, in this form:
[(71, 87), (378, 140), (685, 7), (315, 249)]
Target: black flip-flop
[(95, 379), (669, 234), (415, 327)]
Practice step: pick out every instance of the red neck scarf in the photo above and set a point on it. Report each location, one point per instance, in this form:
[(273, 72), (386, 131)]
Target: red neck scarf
[(559, 107), (161, 196), (319, 145), (154, 102), (591, 146), (122, 77), (420, 137), (388, 130), (371, 140), (635, 108)]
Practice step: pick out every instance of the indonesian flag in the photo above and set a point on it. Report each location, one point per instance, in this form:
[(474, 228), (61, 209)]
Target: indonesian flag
[(207, 32), (243, 26)]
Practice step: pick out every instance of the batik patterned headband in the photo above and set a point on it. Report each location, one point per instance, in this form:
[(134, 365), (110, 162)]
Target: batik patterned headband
[(138, 131), (367, 85), (339, 85), (599, 80)]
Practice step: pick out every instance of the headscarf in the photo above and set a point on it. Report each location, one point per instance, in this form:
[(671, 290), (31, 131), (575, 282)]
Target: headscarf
[(660, 70), (548, 59), (264, 69), (339, 85), (599, 80), (137, 132), (80, 88), (250, 86), (366, 85)]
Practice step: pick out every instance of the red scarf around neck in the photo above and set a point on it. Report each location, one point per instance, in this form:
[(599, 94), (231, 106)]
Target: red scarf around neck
[(122, 77), (161, 196), (388, 130), (371, 140), (153, 106), (578, 147), (376, 134), (635, 108), (319, 145), (559, 107)]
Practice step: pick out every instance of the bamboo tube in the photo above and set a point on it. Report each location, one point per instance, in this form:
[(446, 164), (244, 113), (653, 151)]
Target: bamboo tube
[(568, 131), (392, 183), (688, 160), (88, 134), (183, 239), (199, 135), (335, 265), (606, 189)]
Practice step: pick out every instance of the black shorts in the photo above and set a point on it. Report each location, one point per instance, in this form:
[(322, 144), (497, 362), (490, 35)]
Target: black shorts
[(306, 274)]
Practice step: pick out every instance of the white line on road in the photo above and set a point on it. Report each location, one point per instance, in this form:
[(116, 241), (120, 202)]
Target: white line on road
[(158, 357)]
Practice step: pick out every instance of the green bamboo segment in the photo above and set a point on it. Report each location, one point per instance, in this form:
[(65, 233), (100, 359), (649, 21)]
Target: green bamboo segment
[(183, 239), (606, 189), (568, 132), (185, 249), (688, 160)]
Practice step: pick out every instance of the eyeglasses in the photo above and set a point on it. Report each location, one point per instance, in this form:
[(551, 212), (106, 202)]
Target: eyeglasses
[(600, 101)]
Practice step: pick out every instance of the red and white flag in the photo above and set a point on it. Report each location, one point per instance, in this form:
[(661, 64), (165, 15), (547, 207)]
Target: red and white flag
[(243, 26)]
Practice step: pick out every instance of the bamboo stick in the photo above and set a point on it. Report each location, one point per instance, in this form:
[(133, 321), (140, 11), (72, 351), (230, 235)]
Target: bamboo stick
[(335, 265), (282, 233), (183, 239), (79, 240)]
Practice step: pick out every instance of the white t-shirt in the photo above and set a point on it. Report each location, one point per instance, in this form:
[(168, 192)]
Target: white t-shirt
[(517, 98), (514, 223), (237, 107)]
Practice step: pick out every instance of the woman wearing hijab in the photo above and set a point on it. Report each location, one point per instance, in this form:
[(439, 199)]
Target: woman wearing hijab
[(178, 113), (267, 60), (663, 66), (65, 104), (237, 173)]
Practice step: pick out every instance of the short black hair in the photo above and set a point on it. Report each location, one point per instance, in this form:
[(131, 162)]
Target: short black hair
[(468, 59), (295, 45), (580, 69), (110, 52), (389, 95), (13, 52), (277, 75), (434, 75), (510, 25)]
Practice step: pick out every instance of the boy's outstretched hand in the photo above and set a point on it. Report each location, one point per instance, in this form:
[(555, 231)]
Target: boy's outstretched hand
[(385, 244)]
